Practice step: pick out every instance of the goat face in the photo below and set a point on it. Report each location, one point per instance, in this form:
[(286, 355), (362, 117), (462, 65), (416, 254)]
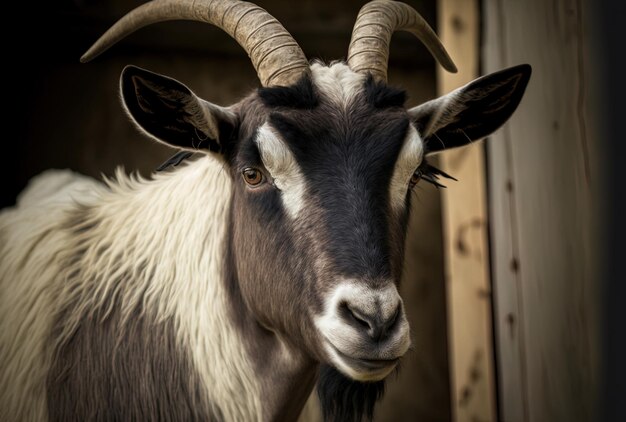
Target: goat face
[(330, 246), (322, 172)]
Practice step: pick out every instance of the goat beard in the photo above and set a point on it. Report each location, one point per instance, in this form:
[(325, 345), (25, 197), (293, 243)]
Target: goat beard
[(344, 399)]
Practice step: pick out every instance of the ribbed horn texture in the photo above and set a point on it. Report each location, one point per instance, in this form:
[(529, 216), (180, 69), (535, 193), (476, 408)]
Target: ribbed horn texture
[(376, 23), (276, 56)]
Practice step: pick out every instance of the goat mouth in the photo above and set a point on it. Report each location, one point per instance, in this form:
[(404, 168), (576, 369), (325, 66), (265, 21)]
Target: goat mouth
[(362, 369)]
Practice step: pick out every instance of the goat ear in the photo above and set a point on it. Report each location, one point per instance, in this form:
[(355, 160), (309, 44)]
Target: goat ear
[(473, 111), (169, 112)]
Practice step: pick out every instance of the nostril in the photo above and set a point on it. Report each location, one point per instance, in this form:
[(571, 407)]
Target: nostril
[(358, 317), (375, 326), (391, 322)]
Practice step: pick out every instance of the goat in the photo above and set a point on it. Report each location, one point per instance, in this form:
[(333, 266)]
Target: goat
[(226, 287)]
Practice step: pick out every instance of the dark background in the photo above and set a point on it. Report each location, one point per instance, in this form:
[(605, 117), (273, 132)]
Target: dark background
[(611, 38)]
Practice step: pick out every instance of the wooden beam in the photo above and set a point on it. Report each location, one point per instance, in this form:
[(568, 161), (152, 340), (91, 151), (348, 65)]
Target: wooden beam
[(465, 233), (546, 185)]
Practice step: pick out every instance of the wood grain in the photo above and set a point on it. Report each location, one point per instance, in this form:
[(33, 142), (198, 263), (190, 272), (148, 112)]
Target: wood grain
[(465, 232), (544, 189)]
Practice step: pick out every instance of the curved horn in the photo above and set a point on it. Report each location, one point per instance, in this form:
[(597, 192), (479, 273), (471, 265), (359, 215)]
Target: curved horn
[(376, 23), (275, 55)]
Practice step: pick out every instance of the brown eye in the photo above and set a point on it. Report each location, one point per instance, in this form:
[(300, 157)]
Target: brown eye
[(253, 177), (417, 176)]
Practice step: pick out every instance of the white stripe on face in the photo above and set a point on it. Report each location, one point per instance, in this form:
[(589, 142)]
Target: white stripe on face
[(283, 167), (337, 82), (409, 159)]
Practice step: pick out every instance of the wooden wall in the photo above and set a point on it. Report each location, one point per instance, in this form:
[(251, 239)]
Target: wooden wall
[(544, 185), (466, 223)]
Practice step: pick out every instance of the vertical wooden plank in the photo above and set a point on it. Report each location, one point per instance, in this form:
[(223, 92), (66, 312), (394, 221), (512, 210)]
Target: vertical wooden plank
[(545, 189), (509, 309), (465, 232)]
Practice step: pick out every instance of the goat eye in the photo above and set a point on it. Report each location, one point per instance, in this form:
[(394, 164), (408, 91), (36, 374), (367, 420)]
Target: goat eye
[(253, 177), (416, 177)]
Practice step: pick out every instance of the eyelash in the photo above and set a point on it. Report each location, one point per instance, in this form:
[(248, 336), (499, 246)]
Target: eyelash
[(429, 174)]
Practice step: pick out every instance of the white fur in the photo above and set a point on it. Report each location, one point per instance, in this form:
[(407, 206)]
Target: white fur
[(410, 157), (283, 167), (175, 225), (337, 82), (344, 337), (27, 290)]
